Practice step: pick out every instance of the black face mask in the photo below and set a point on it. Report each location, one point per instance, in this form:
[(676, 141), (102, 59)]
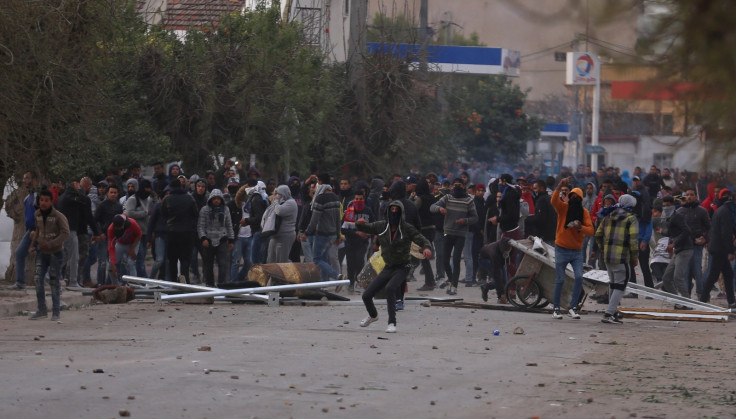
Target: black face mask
[(458, 191), (394, 218), (294, 189)]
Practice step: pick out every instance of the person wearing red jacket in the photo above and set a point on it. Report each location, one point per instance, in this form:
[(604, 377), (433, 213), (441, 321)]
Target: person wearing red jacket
[(123, 236)]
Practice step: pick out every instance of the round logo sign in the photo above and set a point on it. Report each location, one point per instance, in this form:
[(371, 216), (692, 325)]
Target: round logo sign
[(584, 65)]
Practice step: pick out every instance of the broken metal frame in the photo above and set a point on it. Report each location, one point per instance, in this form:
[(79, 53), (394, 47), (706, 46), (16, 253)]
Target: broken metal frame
[(215, 292), (254, 290), (186, 287)]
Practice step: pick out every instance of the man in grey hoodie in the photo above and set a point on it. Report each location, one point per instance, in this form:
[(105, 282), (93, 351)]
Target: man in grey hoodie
[(286, 209), (215, 230)]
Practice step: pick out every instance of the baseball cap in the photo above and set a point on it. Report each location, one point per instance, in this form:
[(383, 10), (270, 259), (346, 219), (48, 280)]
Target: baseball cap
[(411, 179), (636, 178)]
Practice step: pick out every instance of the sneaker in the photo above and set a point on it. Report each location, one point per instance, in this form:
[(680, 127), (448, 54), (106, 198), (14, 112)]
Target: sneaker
[(443, 282), (74, 285), (682, 307), (399, 305), (451, 291), (17, 287), (616, 320), (426, 287), (391, 328), (484, 292), (607, 318), (556, 313), (367, 321), (55, 316), (38, 315), (351, 288), (573, 314), (732, 306), (471, 284), (502, 300), (631, 295), (721, 296)]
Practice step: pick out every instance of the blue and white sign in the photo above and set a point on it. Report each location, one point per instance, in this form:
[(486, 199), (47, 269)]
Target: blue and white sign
[(454, 59)]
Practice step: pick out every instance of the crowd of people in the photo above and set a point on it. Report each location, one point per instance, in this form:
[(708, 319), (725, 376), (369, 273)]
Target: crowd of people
[(464, 213)]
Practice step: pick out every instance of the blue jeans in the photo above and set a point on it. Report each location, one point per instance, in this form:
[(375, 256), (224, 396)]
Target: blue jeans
[(160, 245), (696, 270), (21, 253), (307, 247), (121, 256), (468, 257), (44, 262), (320, 251), (242, 248), (562, 258)]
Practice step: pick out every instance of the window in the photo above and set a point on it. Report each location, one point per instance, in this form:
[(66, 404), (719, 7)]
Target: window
[(663, 159)]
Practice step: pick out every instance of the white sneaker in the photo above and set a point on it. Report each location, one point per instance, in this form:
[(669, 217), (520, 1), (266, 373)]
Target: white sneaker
[(367, 321), (573, 314), (556, 313), (391, 328), (74, 285)]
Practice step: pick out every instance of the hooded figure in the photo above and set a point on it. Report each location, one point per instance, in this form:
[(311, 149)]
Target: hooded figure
[(397, 192), (374, 195), (215, 230), (129, 191), (395, 237), (286, 210)]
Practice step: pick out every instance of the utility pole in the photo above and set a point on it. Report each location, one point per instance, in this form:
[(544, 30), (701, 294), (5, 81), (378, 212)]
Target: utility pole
[(424, 40)]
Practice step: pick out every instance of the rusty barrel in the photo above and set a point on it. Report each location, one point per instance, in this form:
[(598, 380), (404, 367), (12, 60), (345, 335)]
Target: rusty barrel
[(287, 274)]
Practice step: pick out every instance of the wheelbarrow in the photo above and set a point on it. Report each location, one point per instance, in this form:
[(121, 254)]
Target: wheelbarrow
[(533, 286)]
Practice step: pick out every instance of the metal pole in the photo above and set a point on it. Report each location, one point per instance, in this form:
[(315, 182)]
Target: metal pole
[(275, 288), (596, 114), (179, 285)]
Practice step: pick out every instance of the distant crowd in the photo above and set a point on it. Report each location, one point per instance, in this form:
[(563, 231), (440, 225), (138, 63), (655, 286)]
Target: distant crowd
[(232, 219)]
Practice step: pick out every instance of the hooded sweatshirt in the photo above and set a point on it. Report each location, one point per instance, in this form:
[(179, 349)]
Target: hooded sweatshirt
[(395, 246), (214, 224), (140, 205), (569, 238), (286, 209)]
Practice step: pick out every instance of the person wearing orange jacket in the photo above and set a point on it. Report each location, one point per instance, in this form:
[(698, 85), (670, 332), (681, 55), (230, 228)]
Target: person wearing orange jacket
[(573, 224)]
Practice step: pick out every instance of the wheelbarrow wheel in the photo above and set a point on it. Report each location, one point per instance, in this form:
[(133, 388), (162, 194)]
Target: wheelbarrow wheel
[(523, 291), (543, 302)]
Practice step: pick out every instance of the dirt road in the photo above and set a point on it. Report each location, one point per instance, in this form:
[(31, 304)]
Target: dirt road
[(242, 361)]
